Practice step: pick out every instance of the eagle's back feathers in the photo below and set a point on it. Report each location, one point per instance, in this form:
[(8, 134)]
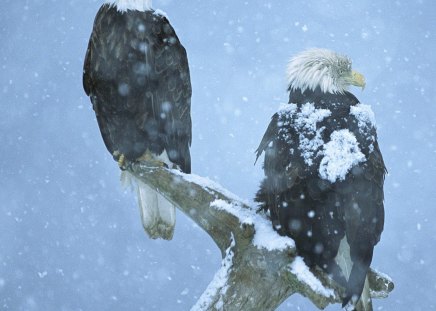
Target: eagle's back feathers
[(137, 76), (136, 73), (318, 212)]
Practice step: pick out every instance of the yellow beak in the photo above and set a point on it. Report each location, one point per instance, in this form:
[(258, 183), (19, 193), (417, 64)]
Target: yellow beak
[(358, 79)]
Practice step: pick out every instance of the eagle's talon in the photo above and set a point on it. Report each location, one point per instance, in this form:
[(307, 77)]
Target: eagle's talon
[(150, 160), (121, 160), (116, 155)]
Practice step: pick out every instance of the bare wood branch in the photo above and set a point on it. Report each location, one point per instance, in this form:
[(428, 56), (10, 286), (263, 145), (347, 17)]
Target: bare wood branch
[(252, 277)]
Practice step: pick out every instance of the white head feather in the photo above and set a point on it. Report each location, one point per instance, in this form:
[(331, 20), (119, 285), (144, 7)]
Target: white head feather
[(319, 68), (125, 5)]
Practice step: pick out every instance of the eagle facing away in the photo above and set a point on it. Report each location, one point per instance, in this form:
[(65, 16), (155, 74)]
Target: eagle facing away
[(324, 171), (137, 76)]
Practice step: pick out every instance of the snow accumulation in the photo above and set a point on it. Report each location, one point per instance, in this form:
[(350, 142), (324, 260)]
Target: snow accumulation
[(310, 116), (305, 124), (161, 13), (310, 136), (303, 274), (209, 185), (234, 208), (265, 236), (384, 292), (287, 109), (364, 115), (341, 153), (124, 5), (219, 283), (383, 275), (365, 121)]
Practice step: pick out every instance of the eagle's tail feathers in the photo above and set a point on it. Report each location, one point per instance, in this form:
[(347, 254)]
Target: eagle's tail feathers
[(356, 274), (356, 286), (362, 304), (365, 297), (158, 215)]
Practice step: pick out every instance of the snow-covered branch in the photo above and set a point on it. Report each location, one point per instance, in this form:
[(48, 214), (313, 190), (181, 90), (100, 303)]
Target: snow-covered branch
[(260, 269)]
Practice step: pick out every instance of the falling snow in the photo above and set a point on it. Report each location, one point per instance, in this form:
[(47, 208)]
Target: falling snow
[(68, 233)]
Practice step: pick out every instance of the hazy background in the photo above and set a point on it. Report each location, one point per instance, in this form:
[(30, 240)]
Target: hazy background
[(71, 239)]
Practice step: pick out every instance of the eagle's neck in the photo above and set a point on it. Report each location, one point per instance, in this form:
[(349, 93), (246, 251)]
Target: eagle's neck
[(310, 79), (125, 5)]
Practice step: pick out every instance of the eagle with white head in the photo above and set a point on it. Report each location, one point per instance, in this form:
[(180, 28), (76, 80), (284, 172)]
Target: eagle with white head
[(324, 171)]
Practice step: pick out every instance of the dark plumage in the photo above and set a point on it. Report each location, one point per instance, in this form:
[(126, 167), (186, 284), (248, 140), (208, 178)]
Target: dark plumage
[(137, 76), (321, 184)]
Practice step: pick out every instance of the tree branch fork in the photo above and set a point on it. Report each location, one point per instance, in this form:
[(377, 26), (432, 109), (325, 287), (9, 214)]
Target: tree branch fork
[(260, 269)]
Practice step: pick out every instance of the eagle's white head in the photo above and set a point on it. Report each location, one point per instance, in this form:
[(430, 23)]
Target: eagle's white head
[(322, 68), (125, 5)]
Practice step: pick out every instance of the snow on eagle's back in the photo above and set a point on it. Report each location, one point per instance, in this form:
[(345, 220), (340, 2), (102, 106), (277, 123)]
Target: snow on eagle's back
[(305, 122), (364, 115), (341, 153), (310, 136)]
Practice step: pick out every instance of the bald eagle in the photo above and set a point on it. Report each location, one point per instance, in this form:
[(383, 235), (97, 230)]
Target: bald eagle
[(137, 76), (324, 171)]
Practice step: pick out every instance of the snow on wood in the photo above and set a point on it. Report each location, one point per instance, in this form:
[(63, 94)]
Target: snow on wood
[(265, 236), (208, 185), (303, 274), (219, 282), (255, 257), (382, 275)]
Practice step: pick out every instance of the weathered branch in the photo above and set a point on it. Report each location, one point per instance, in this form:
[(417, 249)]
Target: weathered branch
[(260, 269)]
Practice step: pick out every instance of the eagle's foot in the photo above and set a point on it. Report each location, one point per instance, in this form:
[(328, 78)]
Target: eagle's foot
[(121, 160), (151, 160)]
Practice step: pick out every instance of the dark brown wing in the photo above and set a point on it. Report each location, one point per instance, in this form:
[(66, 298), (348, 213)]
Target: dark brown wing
[(87, 82), (137, 75), (362, 200), (283, 169), (173, 94)]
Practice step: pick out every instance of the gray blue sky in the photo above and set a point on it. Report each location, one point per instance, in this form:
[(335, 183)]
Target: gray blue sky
[(71, 239)]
